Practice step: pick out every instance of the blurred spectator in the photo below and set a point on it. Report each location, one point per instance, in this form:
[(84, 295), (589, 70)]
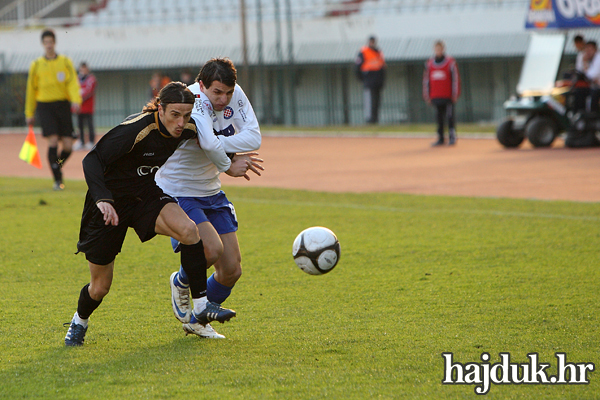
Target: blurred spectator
[(441, 88), (580, 88), (52, 92), (157, 82), (186, 77), (593, 73), (370, 69), (87, 82), (580, 64)]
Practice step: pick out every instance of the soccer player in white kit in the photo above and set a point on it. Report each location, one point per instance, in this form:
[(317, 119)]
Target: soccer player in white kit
[(226, 125)]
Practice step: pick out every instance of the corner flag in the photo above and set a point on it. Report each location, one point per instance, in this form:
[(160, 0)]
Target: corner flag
[(29, 151)]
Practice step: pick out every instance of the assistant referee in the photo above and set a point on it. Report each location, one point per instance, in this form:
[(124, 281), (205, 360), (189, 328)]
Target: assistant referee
[(53, 89)]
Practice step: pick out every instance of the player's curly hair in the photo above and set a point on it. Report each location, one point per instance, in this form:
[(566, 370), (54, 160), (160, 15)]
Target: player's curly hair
[(173, 92), (218, 69)]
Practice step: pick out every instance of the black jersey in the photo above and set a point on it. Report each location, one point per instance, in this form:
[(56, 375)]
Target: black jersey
[(123, 163)]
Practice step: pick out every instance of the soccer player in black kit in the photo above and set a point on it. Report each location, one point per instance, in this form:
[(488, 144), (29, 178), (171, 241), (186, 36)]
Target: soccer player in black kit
[(122, 193)]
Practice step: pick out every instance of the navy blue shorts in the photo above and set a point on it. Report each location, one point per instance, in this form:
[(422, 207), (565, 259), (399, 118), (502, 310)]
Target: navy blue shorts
[(216, 209)]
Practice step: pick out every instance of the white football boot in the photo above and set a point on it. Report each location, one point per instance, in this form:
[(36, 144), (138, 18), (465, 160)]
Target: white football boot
[(180, 299), (204, 331)]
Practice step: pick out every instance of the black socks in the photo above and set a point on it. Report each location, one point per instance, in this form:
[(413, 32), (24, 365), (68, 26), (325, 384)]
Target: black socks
[(54, 165), (193, 262), (57, 163), (86, 305)]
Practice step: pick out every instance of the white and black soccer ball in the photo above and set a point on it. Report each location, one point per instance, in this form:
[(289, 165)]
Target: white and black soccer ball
[(316, 250)]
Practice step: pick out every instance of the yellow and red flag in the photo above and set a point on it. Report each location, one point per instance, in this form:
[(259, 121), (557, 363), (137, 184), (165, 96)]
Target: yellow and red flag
[(29, 151)]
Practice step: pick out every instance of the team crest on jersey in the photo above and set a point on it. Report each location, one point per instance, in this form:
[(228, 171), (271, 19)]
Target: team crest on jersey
[(228, 112), (60, 76)]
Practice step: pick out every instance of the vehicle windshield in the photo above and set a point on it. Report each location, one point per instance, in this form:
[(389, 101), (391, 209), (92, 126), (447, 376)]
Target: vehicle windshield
[(541, 64)]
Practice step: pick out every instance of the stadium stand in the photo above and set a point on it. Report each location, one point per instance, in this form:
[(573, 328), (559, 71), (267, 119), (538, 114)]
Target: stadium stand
[(144, 12), (100, 13), (126, 40)]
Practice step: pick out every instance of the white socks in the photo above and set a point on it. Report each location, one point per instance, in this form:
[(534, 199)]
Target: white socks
[(199, 304), (80, 321)]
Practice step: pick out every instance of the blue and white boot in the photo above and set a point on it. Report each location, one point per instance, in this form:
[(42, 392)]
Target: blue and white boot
[(76, 334), (180, 299)]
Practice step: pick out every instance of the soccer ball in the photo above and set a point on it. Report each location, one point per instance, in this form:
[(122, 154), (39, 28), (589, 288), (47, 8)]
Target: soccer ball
[(316, 250)]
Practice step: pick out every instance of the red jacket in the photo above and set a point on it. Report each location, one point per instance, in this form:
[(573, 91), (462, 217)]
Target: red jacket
[(441, 79), (88, 88)]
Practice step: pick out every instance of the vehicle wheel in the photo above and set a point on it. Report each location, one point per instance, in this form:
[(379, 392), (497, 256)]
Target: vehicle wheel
[(541, 131), (507, 136)]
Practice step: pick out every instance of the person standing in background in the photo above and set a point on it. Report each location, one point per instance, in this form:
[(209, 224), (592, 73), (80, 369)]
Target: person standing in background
[(53, 91), (186, 77), (158, 80), (581, 64), (370, 69), (87, 82), (441, 88), (592, 57)]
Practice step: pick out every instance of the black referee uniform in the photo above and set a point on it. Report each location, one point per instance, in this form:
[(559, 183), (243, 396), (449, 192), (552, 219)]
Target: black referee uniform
[(120, 170)]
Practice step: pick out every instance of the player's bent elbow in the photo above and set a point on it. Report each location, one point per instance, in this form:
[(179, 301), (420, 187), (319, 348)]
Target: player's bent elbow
[(257, 145)]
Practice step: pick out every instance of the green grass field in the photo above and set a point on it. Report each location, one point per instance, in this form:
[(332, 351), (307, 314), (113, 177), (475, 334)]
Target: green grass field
[(418, 276)]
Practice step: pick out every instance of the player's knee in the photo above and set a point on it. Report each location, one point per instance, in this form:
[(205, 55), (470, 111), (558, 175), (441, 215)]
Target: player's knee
[(98, 290), (189, 234)]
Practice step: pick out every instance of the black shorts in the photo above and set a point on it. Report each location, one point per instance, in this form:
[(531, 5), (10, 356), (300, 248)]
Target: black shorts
[(55, 118), (101, 243)]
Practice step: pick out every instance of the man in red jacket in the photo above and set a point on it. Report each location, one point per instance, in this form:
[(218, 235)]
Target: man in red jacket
[(441, 88), (87, 82)]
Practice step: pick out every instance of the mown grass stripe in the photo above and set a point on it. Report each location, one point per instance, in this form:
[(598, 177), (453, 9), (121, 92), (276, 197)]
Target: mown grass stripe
[(417, 210)]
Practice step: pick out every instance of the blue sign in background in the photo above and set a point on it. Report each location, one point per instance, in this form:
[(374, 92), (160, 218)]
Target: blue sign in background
[(559, 14)]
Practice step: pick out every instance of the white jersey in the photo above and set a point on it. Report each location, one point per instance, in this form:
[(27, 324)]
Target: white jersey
[(193, 170)]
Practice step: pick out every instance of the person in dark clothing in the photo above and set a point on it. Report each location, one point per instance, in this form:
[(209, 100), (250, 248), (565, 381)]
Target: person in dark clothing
[(370, 69), (122, 193)]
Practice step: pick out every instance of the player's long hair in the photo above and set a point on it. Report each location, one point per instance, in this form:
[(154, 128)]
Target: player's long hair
[(218, 69), (173, 92)]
